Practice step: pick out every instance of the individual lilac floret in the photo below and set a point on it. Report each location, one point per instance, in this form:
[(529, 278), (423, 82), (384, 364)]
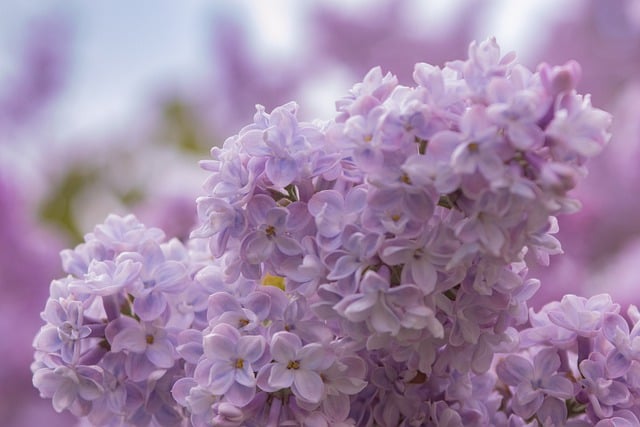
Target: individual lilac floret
[(581, 315), (296, 366), (604, 393), (535, 381), (66, 329), (148, 347), (68, 388), (229, 370), (626, 344)]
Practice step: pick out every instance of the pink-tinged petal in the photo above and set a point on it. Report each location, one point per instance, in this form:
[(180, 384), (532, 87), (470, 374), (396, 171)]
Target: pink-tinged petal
[(298, 217), (253, 141), (404, 296), (256, 247), (359, 306), (628, 421), (221, 377), (245, 376), (615, 328), (308, 386), (47, 381), (288, 246), (368, 158), (48, 339), (54, 313), (384, 198), (281, 171), (463, 161), (546, 362), (601, 303), (514, 369), (482, 357), (492, 236), (259, 303), (181, 389), (285, 346), (553, 412), (280, 377), (202, 371), (355, 200), (315, 357), (344, 267), (591, 369), (441, 147), (152, 253), (131, 339), (424, 275), (526, 394), (251, 348), (201, 400), (491, 166), (89, 389), (239, 394), (373, 282), (558, 386), (64, 396), (126, 272), (277, 217), (222, 302), (383, 319), (336, 407), (138, 367), (524, 136), (526, 404), (399, 253), (150, 306), (219, 347), (161, 354), (617, 394), (258, 207), (419, 205), (170, 276), (617, 364)]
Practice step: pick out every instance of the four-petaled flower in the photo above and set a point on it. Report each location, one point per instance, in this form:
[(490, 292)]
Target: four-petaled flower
[(534, 380), (296, 366), (229, 370)]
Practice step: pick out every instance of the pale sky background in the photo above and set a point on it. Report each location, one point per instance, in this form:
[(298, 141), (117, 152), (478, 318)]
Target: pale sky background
[(125, 50)]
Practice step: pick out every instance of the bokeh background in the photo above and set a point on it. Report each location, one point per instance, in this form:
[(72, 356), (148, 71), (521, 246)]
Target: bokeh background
[(108, 106)]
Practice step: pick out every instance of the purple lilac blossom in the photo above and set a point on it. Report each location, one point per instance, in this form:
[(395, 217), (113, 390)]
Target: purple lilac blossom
[(348, 271), (108, 348)]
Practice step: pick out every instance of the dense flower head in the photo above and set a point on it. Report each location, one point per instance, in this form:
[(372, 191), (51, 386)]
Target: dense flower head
[(108, 349), (580, 355), (362, 271)]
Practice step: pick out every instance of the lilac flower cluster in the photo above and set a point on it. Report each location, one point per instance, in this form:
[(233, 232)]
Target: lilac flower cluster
[(108, 349), (359, 272), (579, 365)]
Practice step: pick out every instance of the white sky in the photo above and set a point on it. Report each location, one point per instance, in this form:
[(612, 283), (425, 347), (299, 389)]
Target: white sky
[(124, 50)]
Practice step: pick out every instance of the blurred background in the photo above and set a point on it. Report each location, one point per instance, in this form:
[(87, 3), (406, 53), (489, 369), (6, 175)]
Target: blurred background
[(108, 106)]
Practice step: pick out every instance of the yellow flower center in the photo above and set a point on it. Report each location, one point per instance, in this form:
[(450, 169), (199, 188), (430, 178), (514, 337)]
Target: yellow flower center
[(271, 280)]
